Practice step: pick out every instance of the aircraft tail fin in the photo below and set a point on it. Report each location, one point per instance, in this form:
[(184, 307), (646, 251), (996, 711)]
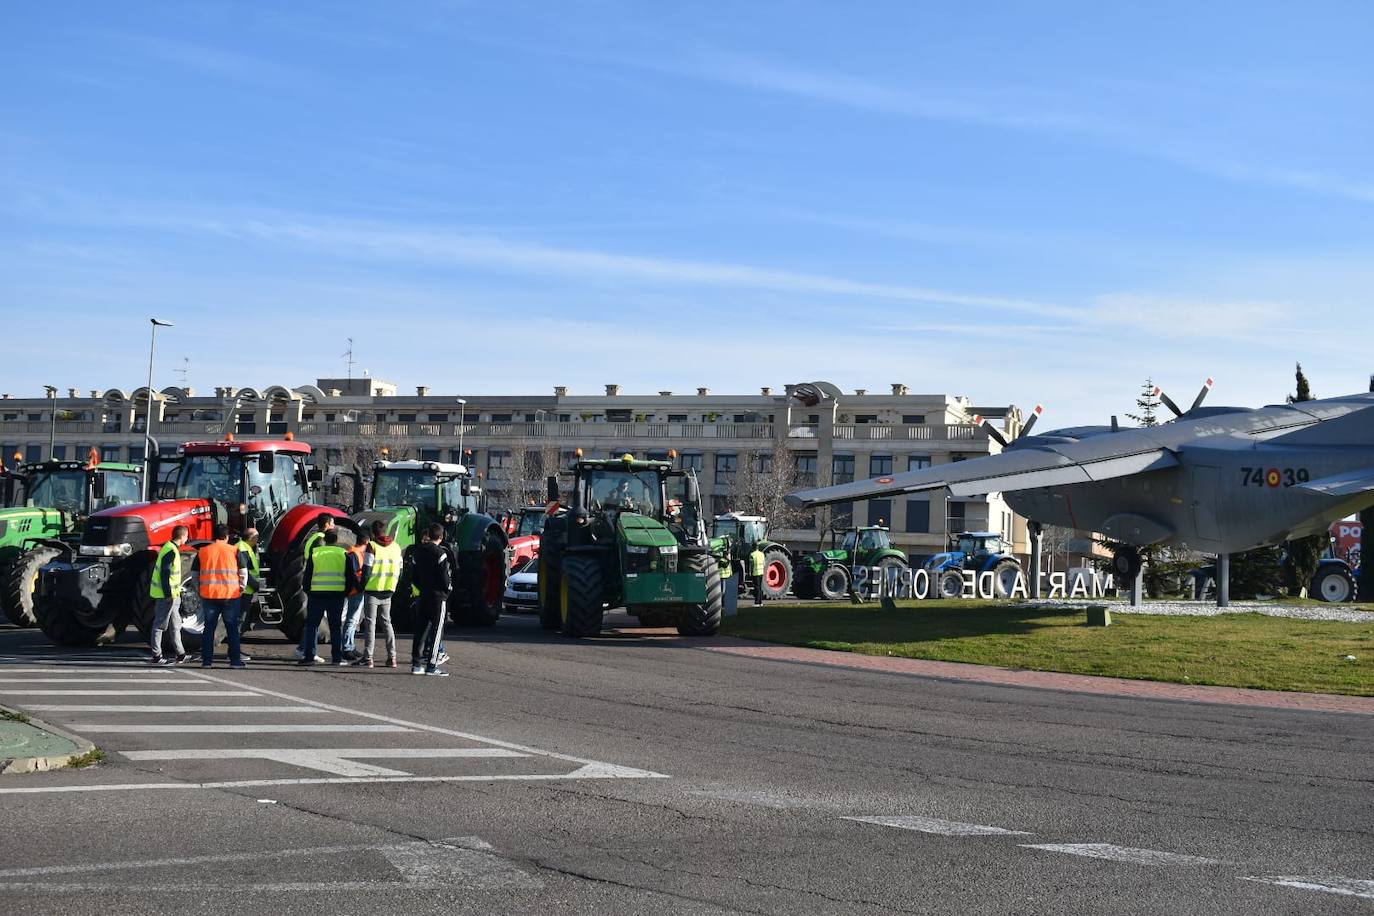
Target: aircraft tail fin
[(1346, 483)]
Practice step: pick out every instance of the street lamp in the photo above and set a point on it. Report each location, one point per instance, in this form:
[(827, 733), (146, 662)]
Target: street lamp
[(148, 440), (52, 428), (462, 411)]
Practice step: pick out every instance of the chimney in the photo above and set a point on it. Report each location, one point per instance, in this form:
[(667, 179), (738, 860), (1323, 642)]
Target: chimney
[(229, 391), (767, 392), (612, 391), (95, 393), (190, 392), (71, 393), (860, 392), (379, 392), (4, 397), (560, 391), (789, 390), (421, 390), (898, 389), (335, 393), (665, 394), (703, 392)]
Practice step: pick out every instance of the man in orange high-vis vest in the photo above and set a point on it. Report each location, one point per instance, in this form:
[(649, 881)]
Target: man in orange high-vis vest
[(223, 572)]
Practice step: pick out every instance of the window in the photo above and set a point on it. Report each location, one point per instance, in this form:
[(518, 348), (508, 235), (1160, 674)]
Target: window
[(806, 468), (726, 465), (429, 454), (35, 417), (694, 461), (10, 416), (913, 419), (720, 504), (59, 453), (329, 418), (455, 455), (565, 418), (436, 418), (917, 462), (866, 418), (109, 453), (245, 424), (880, 511), (307, 417), (33, 452), (501, 417), (618, 416), (763, 463), (677, 418), (813, 419), (842, 514), (918, 516), (405, 418), (842, 469), (955, 514), (135, 454), (879, 465), (750, 417), (498, 463)]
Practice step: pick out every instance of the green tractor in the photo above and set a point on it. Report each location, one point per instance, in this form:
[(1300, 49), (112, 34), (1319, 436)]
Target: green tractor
[(48, 503), (633, 536), (408, 496), (733, 539), (829, 572)]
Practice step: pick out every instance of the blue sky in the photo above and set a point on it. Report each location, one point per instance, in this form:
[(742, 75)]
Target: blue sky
[(1018, 202)]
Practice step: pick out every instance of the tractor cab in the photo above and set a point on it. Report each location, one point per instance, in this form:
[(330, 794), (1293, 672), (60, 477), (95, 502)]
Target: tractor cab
[(79, 489), (531, 522), (977, 545), (255, 483), (607, 491), (436, 490), (748, 530)]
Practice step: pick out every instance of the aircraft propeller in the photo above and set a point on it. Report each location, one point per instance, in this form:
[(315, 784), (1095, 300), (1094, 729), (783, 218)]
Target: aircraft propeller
[(1197, 401), (996, 434)]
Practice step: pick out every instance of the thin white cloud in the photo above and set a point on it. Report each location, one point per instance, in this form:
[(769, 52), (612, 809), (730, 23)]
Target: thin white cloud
[(207, 59)]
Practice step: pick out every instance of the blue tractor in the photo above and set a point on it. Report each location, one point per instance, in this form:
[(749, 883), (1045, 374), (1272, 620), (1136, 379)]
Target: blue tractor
[(977, 552)]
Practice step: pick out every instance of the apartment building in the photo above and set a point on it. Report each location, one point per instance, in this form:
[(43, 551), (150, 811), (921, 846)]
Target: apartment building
[(733, 441)]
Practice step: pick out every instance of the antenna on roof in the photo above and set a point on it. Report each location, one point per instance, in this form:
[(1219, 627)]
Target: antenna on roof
[(348, 355), (185, 369)]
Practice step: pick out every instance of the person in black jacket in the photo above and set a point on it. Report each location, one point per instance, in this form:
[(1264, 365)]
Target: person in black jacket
[(432, 569)]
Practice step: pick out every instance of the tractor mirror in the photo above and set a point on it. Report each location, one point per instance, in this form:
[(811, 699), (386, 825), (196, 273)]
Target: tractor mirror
[(315, 475), (267, 462), (335, 486), (98, 486), (693, 490), (553, 488), (465, 486)]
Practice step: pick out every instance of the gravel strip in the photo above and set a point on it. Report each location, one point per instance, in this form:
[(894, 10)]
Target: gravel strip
[(1339, 612)]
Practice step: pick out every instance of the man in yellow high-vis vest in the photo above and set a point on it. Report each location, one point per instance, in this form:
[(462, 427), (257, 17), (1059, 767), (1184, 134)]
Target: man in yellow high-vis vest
[(381, 575), (757, 560), (328, 577), (165, 590)]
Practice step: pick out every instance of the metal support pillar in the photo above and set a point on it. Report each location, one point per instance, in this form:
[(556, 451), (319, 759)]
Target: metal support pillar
[(1037, 536), (1223, 580), (1366, 583), (1138, 589)]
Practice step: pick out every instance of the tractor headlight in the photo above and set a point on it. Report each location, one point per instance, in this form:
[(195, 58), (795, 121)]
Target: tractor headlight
[(670, 551), (108, 550), (631, 548)]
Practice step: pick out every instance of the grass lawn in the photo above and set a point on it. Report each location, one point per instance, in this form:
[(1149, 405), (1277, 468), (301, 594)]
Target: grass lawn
[(1232, 650)]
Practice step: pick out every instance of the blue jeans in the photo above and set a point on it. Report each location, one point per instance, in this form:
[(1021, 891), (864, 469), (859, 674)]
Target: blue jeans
[(212, 609), (324, 605), (353, 610)]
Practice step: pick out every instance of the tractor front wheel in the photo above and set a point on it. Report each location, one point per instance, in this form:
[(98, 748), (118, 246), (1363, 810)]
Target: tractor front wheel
[(580, 597), (834, 583), (1335, 584), (21, 585), (777, 574), (703, 619), (476, 600), (950, 583)]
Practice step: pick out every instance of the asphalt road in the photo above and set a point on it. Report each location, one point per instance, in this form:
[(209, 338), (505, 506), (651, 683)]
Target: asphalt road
[(650, 774)]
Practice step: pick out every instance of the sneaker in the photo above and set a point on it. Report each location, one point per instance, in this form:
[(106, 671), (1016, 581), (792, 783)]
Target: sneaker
[(239, 665), (180, 659), (443, 657), (363, 663), (156, 660), (391, 663), (417, 669), (342, 663), (436, 672), (246, 658)]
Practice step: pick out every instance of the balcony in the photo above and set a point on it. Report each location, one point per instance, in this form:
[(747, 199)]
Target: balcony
[(915, 433)]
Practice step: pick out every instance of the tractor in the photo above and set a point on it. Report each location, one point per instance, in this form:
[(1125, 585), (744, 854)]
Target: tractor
[(524, 528), (733, 539), (90, 592), (978, 552), (409, 496), (829, 572), (633, 535), (45, 517)]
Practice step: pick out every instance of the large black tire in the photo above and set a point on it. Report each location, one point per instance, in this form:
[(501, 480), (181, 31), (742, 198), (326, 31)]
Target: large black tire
[(1004, 577), (403, 605), (834, 583), (1335, 584), (703, 619), (481, 581), (950, 584), (777, 574), (804, 582), (81, 622), (885, 564), (580, 597), (292, 596), (21, 585), (550, 581)]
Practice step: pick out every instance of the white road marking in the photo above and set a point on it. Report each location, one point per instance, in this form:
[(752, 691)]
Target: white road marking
[(1327, 884), (338, 761), (1125, 854), (937, 826), (144, 668), (237, 729), (67, 692), (125, 679), (332, 781), (46, 707)]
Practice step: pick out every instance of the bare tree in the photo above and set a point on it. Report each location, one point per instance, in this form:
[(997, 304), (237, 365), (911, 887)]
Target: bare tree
[(763, 479)]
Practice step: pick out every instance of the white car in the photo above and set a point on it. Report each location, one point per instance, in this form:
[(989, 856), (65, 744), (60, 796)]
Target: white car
[(522, 588)]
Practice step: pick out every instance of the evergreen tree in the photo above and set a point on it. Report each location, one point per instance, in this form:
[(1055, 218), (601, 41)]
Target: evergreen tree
[(1147, 404)]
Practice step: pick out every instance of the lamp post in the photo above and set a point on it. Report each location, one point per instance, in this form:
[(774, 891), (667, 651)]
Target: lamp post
[(52, 418), (462, 412), (148, 439)]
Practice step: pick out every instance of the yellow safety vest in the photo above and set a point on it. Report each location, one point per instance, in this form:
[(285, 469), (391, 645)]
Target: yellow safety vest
[(311, 542), (756, 562), (155, 589), (386, 568), (254, 566), (327, 574)]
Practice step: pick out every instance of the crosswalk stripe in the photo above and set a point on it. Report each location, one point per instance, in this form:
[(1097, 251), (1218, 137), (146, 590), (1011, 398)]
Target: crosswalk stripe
[(937, 826), (235, 729), (183, 692), (62, 707), (587, 772), (139, 668), (338, 761), (126, 679), (1125, 854), (1327, 884)]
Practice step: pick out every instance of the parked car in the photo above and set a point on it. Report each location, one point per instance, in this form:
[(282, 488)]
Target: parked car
[(522, 588)]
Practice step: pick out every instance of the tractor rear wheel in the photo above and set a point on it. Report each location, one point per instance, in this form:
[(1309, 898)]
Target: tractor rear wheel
[(580, 597), (550, 615), (21, 585), (293, 597), (481, 580), (1004, 576), (703, 619), (1333, 585), (777, 573), (804, 582), (834, 583)]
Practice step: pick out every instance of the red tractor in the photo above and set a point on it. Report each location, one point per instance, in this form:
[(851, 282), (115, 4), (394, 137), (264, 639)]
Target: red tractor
[(524, 530), (88, 595)]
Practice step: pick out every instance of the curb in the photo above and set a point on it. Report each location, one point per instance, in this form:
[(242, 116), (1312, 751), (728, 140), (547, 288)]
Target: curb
[(40, 764)]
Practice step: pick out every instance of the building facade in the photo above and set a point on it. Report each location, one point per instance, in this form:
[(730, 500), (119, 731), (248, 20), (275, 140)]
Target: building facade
[(746, 448)]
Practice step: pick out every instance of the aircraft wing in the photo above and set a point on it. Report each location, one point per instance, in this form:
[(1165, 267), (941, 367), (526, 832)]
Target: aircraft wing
[(1346, 483), (1099, 458)]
